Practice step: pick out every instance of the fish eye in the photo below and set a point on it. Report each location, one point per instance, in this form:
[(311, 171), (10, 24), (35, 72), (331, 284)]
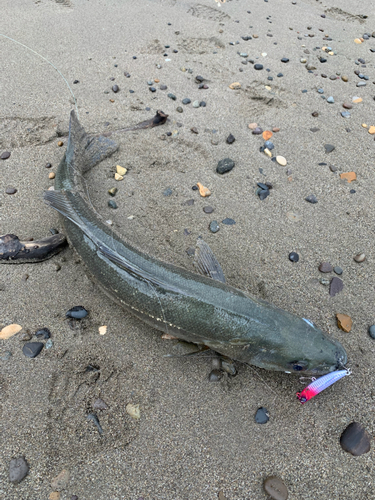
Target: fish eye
[(298, 366)]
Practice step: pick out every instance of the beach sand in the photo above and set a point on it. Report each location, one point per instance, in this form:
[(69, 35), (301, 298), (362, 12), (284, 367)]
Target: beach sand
[(194, 438)]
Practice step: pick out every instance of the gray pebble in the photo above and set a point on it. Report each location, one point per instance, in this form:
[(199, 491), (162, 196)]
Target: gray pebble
[(228, 222), (99, 404), (163, 87), (112, 204), (215, 376), (43, 332), (336, 286), (262, 416), (172, 96), (77, 312), (275, 488), (371, 331), (338, 270), (18, 470), (32, 349), (5, 155), (167, 192), (325, 267), (229, 368), (345, 114), (11, 190), (311, 199), (186, 100), (7, 355), (355, 439), (330, 100), (258, 66), (214, 226), (196, 104), (49, 344), (329, 148), (179, 109), (208, 210), (224, 166)]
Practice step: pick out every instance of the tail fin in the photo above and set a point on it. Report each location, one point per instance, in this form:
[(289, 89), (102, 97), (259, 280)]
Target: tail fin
[(83, 151), (62, 202)]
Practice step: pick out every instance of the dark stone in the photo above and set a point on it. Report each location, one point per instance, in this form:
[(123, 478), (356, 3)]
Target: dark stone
[(179, 109), (215, 376), (258, 66), (5, 155), (230, 139), (208, 210), (261, 415), (315, 114), (314, 129), (325, 267), (275, 488), (371, 331), (228, 222), (152, 89), (322, 59), (77, 312), (257, 131), (112, 204), (311, 199), (194, 130), (48, 165), (224, 166), (336, 286), (32, 349), (284, 60), (279, 75), (338, 270), (76, 81), (195, 188), (269, 145), (322, 164), (329, 148), (115, 88), (202, 104), (127, 74), (214, 226), (293, 257), (11, 190), (199, 78), (355, 439), (74, 497), (18, 470), (186, 100), (263, 193), (163, 87), (172, 96), (43, 332)]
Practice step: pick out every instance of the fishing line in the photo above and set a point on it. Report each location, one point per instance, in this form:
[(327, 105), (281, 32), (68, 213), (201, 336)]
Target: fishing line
[(49, 62)]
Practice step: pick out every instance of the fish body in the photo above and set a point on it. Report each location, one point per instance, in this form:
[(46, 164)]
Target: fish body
[(190, 306)]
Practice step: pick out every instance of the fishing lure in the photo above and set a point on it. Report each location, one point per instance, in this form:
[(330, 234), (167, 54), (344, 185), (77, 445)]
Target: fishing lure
[(318, 385)]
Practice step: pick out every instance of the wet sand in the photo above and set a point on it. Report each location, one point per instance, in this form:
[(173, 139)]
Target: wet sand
[(194, 438)]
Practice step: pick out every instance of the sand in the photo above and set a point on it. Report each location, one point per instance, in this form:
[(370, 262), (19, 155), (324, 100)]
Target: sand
[(194, 438)]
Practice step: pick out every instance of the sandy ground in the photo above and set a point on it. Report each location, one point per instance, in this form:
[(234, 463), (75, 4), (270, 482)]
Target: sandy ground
[(194, 438)]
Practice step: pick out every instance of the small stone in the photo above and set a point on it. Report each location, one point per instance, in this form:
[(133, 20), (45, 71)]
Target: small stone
[(60, 143), (284, 60), (357, 40), (118, 177), (357, 100), (102, 330), (194, 130), (360, 257), (44, 333), (8, 331), (168, 192), (371, 331), (329, 148), (179, 109), (344, 322), (54, 495), (203, 191), (5, 155), (345, 114), (32, 349), (293, 257), (224, 166), (371, 130), (121, 170), (51, 175), (186, 100), (214, 226), (172, 96), (133, 411), (325, 267), (361, 84), (269, 145), (74, 497), (49, 344), (276, 129), (262, 415), (344, 78), (267, 134), (112, 204), (202, 104), (267, 152), (61, 481), (275, 488), (152, 89), (18, 470), (311, 199), (257, 131), (349, 176), (263, 193), (235, 86), (336, 286), (48, 165), (347, 105), (252, 126), (25, 336), (215, 375), (258, 66), (315, 114), (77, 312), (330, 100), (228, 222), (11, 190), (338, 270), (99, 404), (115, 88), (281, 160), (163, 87), (196, 104), (208, 210), (230, 139), (112, 191), (355, 439)]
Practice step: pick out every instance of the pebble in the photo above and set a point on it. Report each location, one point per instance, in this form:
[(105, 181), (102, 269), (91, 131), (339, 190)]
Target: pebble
[(230, 139), (215, 376), (61, 481), (293, 257), (315, 114), (344, 322), (60, 143), (18, 470), (112, 191), (115, 88), (258, 66), (202, 104), (345, 114), (349, 176), (48, 165), (269, 145), (5, 155), (325, 267), (284, 60), (77, 312), (361, 84), (355, 439), (330, 100), (172, 96), (112, 204), (329, 148), (196, 104), (118, 177), (338, 270), (133, 411), (11, 190), (257, 131), (262, 415), (267, 134), (179, 109), (228, 221), (208, 210), (186, 100), (371, 331), (224, 166), (281, 160), (235, 86), (54, 495), (43, 332), (360, 257), (347, 105), (214, 226), (7, 355), (163, 87), (51, 175), (344, 78), (194, 130), (152, 89), (275, 488), (311, 199), (95, 420), (262, 193), (49, 344), (279, 75), (121, 170), (252, 126), (203, 191), (371, 130), (32, 349), (336, 286), (99, 404)]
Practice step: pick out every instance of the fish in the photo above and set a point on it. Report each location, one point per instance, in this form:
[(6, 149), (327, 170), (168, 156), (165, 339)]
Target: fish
[(197, 307)]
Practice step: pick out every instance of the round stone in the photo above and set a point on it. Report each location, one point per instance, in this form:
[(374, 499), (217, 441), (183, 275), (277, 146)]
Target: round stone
[(48, 165), (344, 78), (262, 415), (257, 131), (330, 100), (51, 175), (281, 160), (112, 204), (208, 210), (215, 376), (355, 439), (196, 104), (293, 257), (224, 166), (5, 155), (230, 139), (163, 87), (228, 221), (325, 267), (345, 114), (311, 199), (115, 88), (77, 312), (179, 109), (258, 66), (371, 331), (172, 96), (186, 100), (32, 349), (152, 89), (361, 257), (315, 114), (202, 104), (338, 270), (11, 190), (18, 470), (275, 488), (214, 226)]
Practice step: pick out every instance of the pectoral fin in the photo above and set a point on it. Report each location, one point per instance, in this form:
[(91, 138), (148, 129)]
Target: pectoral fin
[(206, 262)]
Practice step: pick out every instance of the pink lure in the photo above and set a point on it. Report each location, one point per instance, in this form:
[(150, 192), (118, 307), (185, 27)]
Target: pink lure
[(320, 384)]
